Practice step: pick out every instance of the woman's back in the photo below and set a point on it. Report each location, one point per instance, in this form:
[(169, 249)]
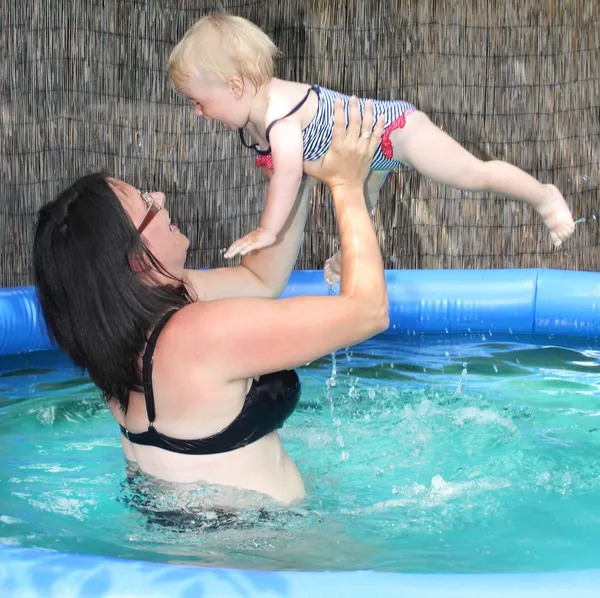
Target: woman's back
[(192, 405)]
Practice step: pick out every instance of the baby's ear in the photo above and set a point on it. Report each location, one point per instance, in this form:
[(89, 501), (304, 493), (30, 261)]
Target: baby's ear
[(237, 87)]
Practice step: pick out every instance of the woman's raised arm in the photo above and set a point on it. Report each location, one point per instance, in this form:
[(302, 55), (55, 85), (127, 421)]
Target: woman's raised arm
[(248, 337)]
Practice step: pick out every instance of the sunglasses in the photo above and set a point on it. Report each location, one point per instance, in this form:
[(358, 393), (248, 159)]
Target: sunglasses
[(153, 210)]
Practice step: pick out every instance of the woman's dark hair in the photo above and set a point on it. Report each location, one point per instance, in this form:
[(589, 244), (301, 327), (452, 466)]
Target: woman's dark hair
[(96, 306)]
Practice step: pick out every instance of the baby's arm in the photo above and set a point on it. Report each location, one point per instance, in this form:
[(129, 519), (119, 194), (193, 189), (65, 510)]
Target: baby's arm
[(287, 153)]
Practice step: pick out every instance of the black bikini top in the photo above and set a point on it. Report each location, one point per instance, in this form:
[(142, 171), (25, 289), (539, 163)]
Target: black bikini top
[(271, 400), (255, 146)]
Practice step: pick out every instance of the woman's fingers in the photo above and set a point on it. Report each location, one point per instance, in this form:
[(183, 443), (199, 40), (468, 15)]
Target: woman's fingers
[(354, 120), (367, 122), (352, 147), (339, 122), (377, 133)]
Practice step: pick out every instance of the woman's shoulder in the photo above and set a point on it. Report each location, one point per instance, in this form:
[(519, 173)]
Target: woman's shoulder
[(182, 344), (192, 327), (207, 341)]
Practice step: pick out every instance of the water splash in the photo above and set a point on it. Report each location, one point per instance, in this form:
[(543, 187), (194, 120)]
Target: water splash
[(330, 384), (583, 219), (461, 380)]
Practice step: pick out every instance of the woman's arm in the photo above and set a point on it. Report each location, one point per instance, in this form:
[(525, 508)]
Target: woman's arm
[(263, 273), (239, 338)]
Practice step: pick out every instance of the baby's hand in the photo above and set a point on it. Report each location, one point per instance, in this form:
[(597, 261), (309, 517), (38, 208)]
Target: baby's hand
[(257, 239)]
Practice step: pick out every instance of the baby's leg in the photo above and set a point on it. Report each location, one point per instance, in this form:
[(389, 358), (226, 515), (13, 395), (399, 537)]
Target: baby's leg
[(437, 156), (333, 266)]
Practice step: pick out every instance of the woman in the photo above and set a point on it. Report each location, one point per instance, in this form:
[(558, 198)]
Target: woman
[(196, 365)]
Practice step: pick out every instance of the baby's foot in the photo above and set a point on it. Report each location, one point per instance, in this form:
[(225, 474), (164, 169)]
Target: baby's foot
[(556, 215), (333, 269)]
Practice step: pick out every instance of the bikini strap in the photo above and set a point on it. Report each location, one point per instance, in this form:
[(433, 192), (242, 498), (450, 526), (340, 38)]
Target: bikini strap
[(297, 107), (254, 146), (147, 367)]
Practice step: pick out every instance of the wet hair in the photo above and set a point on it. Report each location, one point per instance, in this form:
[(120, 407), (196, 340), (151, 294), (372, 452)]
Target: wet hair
[(97, 306), (223, 46)]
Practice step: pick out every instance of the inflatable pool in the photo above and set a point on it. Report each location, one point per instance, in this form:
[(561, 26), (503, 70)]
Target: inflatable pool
[(542, 302)]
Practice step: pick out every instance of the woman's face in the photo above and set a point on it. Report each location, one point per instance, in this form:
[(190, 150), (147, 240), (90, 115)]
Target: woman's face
[(161, 236)]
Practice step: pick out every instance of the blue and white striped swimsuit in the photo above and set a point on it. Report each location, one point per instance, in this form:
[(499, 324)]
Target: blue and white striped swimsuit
[(317, 135)]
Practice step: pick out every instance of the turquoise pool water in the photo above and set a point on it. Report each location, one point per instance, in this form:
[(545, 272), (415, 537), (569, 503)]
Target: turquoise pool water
[(421, 454)]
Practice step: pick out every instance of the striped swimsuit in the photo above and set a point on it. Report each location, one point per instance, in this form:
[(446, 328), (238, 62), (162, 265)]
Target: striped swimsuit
[(317, 135)]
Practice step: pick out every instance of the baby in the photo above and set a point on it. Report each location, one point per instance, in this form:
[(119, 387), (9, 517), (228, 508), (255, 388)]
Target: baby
[(224, 64)]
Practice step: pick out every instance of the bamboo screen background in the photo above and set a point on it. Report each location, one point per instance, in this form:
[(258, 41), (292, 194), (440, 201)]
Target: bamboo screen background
[(83, 87)]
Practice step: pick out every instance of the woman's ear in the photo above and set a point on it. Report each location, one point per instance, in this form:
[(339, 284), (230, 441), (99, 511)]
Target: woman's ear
[(137, 263)]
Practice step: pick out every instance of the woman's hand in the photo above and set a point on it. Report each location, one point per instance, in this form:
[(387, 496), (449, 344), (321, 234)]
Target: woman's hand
[(348, 159)]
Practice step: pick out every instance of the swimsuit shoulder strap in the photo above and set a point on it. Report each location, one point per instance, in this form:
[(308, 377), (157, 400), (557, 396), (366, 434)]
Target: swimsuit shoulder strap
[(297, 107), (254, 146), (147, 367), (248, 145)]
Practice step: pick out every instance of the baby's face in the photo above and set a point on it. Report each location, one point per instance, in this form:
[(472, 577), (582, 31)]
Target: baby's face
[(217, 100)]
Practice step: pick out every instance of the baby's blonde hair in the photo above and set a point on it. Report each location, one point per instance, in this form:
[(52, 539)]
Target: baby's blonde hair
[(223, 46)]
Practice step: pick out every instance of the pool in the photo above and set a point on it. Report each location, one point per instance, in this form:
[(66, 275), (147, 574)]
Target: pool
[(443, 390)]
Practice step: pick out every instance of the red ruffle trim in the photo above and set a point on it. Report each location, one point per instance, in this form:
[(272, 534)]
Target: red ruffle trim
[(386, 145)]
